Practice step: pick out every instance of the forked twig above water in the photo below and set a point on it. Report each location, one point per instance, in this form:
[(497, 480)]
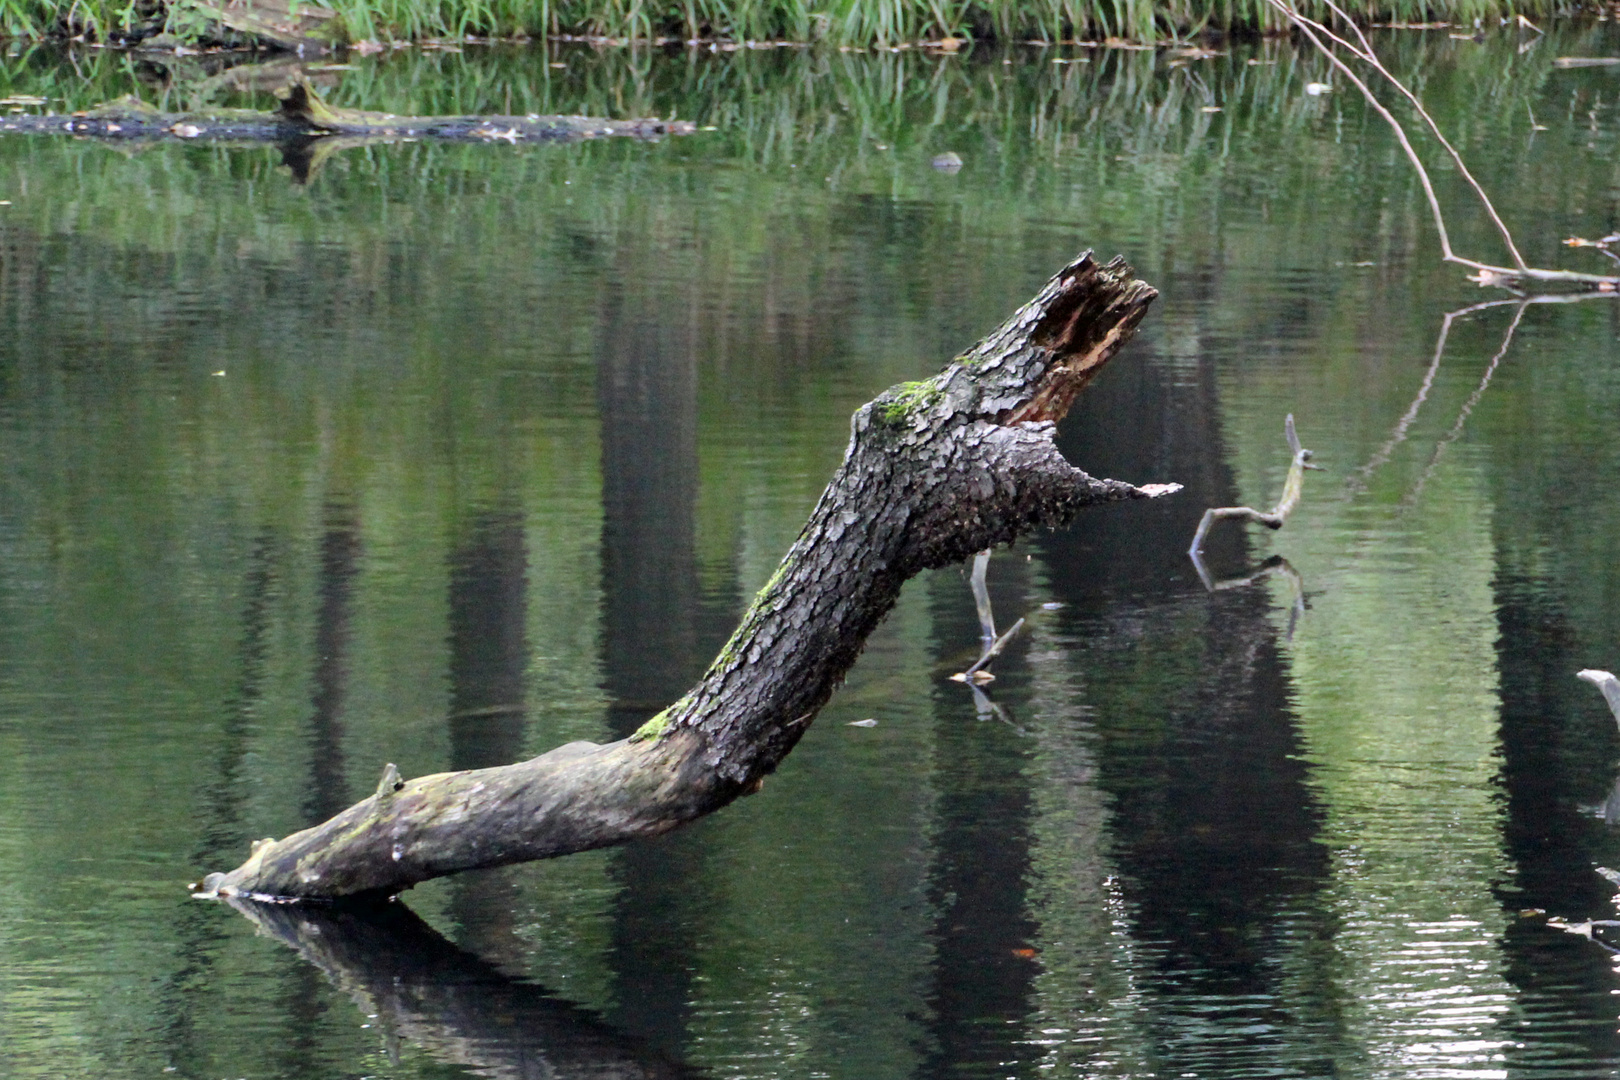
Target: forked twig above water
[(1293, 489), (990, 642)]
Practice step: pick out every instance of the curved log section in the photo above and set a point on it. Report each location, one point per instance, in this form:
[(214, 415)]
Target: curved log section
[(935, 471)]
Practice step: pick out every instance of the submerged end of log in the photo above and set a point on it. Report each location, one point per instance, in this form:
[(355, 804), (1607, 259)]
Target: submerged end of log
[(935, 471)]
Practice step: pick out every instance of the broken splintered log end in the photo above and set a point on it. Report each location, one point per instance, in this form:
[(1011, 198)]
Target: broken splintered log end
[(1606, 682), (300, 104), (390, 781)]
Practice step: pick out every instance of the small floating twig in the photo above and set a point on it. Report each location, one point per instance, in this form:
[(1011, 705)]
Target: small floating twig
[(1293, 488)]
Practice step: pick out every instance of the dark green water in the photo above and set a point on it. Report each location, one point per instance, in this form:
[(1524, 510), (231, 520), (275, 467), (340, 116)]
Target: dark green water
[(451, 455)]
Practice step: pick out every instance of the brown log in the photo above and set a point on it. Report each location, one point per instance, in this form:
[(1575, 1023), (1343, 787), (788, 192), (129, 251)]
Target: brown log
[(935, 471)]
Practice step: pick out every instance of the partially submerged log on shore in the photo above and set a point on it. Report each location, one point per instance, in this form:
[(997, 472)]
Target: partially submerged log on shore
[(935, 472), (304, 116)]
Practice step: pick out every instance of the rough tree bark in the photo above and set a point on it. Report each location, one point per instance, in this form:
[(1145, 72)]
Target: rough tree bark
[(935, 471)]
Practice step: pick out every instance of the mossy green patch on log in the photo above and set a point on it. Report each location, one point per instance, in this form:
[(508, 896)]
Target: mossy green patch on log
[(652, 728), (900, 404)]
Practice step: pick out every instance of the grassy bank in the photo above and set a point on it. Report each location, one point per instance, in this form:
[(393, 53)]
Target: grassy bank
[(853, 23)]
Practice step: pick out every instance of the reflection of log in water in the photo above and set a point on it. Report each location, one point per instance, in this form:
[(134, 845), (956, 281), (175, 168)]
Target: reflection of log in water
[(304, 115), (340, 556), (646, 390), (308, 130), (978, 879), (1552, 745), (488, 656), (456, 1007), (488, 650)]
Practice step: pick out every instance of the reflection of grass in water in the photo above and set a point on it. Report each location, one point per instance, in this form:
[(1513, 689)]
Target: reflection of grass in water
[(1133, 125), (799, 96), (882, 23)]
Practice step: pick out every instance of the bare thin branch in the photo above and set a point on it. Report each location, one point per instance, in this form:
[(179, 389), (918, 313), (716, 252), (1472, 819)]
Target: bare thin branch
[(1468, 406), (1323, 39), (994, 649), (981, 598), (1367, 54)]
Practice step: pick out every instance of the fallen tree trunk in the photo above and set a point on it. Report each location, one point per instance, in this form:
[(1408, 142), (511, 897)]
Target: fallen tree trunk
[(303, 116), (935, 471)]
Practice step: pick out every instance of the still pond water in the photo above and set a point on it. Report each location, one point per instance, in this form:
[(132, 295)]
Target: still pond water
[(446, 456)]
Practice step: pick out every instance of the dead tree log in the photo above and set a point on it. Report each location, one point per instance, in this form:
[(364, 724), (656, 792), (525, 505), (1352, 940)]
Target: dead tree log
[(935, 471), (304, 116)]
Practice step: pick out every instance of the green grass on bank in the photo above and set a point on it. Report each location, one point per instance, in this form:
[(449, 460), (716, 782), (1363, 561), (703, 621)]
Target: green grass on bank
[(859, 23)]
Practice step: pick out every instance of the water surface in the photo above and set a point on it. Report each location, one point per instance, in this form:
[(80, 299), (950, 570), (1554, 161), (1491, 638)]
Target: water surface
[(448, 455)]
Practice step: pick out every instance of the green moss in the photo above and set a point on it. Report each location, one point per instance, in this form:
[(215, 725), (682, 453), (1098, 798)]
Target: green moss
[(652, 728), (899, 403)]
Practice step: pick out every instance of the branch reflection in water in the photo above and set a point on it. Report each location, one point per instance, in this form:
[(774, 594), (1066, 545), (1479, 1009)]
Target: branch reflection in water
[(977, 676), (456, 1006), (1358, 481), (1275, 565)]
